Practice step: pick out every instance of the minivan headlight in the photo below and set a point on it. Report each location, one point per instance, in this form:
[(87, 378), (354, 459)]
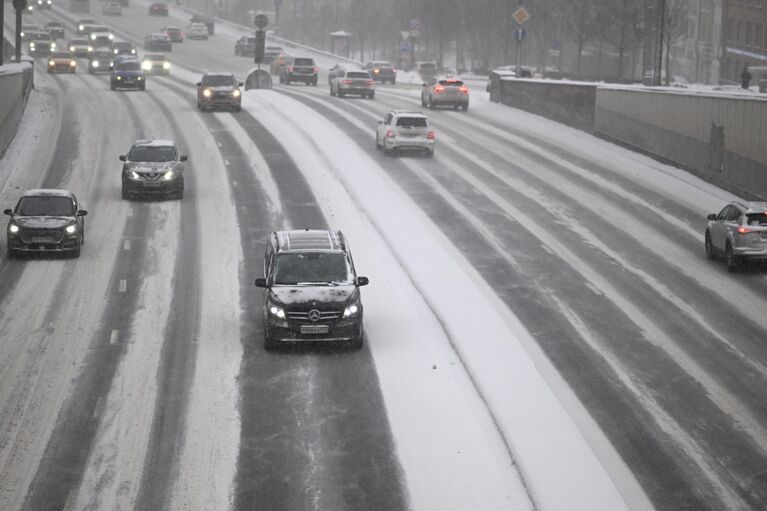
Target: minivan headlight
[(351, 310), (277, 311), (71, 229), (13, 228)]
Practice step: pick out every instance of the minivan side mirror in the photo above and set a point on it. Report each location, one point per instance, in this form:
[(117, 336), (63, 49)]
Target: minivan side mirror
[(8, 212), (199, 84), (82, 212), (183, 157), (362, 281), (380, 122), (711, 216), (122, 157), (260, 282)]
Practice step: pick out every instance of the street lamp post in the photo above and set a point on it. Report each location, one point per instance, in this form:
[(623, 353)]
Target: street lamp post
[(661, 33)]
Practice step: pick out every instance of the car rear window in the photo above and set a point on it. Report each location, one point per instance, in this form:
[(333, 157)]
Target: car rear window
[(45, 206), (303, 62), (357, 74), (757, 218), (451, 83), (415, 122)]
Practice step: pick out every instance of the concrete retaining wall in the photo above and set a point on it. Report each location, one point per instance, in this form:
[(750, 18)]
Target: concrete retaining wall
[(570, 103), (723, 139), (15, 86)]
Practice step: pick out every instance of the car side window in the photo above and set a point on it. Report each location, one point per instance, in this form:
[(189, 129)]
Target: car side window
[(723, 214), (734, 214), (387, 119)]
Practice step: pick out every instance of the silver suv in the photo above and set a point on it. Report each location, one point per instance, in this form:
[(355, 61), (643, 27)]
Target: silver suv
[(445, 92), (405, 130), (738, 232)]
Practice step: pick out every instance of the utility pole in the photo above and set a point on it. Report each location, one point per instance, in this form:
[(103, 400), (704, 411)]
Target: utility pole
[(20, 5), (661, 32), (2, 25)]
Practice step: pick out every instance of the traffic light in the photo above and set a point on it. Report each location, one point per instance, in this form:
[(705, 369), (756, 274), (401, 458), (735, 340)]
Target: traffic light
[(260, 44)]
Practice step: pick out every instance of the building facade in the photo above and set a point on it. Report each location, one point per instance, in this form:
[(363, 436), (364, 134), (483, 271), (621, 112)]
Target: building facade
[(696, 33), (744, 37)]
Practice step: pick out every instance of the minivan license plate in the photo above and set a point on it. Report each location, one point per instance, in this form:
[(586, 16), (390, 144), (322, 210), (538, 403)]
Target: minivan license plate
[(314, 329)]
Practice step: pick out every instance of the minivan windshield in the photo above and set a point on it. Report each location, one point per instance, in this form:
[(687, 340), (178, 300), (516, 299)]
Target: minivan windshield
[(312, 268)]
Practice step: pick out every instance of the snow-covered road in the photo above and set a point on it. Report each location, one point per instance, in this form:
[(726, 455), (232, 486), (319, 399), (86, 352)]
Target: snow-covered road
[(543, 330)]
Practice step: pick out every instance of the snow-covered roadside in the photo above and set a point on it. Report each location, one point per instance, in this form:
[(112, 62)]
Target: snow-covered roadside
[(558, 465)]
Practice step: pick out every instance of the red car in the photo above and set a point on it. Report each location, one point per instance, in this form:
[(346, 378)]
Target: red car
[(158, 9)]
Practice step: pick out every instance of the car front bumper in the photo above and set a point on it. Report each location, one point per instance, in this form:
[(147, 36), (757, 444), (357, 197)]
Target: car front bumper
[(286, 331), (153, 188), (65, 243)]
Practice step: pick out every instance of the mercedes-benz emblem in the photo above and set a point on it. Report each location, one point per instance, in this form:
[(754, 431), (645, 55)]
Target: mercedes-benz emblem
[(314, 315)]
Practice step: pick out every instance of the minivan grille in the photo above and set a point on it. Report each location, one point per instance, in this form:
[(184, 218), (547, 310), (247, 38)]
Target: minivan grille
[(304, 316)]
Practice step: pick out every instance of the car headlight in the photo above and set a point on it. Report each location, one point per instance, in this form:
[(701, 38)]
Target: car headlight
[(351, 310), (51, 63), (169, 175), (72, 63), (71, 48), (90, 48), (31, 46), (166, 65), (146, 65), (139, 78), (111, 37), (119, 77), (116, 50), (236, 93), (277, 311), (53, 46), (95, 63), (71, 229), (134, 175), (80, 27), (206, 93), (93, 37), (13, 228)]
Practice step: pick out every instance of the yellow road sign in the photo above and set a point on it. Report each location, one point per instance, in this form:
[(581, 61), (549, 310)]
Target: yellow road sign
[(521, 15)]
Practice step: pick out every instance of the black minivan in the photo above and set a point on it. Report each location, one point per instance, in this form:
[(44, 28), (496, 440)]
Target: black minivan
[(312, 290)]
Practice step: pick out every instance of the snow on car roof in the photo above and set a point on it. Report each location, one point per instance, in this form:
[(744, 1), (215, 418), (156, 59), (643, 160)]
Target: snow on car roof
[(155, 142), (48, 191), (309, 240)]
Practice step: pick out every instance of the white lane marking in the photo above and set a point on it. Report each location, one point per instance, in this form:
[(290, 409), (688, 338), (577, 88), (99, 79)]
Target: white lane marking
[(123, 285), (99, 409), (114, 337), (547, 249), (595, 289), (71, 499), (126, 245)]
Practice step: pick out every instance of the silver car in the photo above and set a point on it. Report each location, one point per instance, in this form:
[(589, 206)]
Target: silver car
[(358, 83), (738, 232), (401, 130), (448, 91)]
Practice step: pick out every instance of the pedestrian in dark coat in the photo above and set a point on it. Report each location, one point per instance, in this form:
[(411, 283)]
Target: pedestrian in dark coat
[(745, 78)]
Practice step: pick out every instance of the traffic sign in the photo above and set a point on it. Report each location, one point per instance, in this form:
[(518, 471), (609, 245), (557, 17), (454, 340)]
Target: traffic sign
[(261, 21), (415, 25), (520, 34), (405, 34), (415, 33), (405, 46), (521, 15)]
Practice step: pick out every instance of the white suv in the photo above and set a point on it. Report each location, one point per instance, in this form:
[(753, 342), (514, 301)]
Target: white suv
[(401, 130)]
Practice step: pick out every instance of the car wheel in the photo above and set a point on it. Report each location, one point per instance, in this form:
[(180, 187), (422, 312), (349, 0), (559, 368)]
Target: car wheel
[(12, 254), (112, 86), (432, 106), (423, 102), (456, 106), (387, 151), (710, 253), (270, 344), (430, 153), (314, 83), (372, 95), (378, 146), (466, 107), (731, 260), (238, 108), (356, 343), (76, 251), (340, 94), (126, 194)]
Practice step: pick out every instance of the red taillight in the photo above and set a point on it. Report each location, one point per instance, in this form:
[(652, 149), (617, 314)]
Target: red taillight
[(389, 133), (290, 69), (346, 82), (744, 230), (438, 89), (464, 89), (369, 82), (431, 135), (316, 69)]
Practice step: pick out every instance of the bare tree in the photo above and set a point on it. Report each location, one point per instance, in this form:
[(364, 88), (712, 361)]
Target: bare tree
[(675, 27)]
